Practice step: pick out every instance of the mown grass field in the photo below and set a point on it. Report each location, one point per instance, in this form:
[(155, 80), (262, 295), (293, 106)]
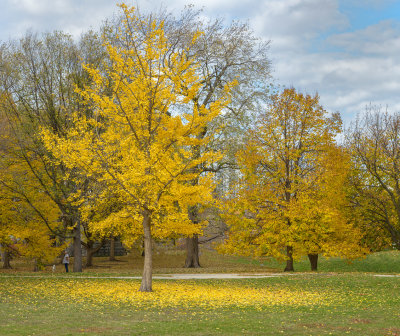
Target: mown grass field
[(347, 300)]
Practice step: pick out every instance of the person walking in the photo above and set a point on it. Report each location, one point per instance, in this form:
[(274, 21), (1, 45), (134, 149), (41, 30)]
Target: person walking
[(66, 260)]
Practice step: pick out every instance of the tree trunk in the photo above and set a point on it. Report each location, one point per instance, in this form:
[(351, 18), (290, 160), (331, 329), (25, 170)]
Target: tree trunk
[(5, 257), (77, 248), (396, 239), (192, 252), (89, 257), (146, 285), (35, 266), (192, 243), (90, 251), (143, 252), (313, 257), (289, 262), (112, 249)]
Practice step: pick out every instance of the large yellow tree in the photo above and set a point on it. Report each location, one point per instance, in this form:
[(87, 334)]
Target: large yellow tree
[(136, 140), (291, 198), (29, 220)]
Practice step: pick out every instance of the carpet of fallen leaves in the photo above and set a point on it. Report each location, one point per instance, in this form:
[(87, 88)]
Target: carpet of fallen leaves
[(206, 295)]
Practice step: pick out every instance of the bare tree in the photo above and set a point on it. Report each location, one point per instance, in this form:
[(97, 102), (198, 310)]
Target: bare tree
[(225, 54)]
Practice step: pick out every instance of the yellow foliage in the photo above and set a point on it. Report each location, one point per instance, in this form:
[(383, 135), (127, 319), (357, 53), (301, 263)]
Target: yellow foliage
[(27, 214), (137, 141), (22, 225), (292, 190), (171, 294)]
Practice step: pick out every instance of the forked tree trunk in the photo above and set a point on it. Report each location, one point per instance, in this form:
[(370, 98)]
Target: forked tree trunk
[(289, 262), (6, 258), (89, 256), (90, 251), (313, 257), (77, 248), (146, 285), (112, 249), (192, 252)]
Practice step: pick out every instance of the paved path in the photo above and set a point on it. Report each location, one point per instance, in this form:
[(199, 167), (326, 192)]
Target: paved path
[(216, 276)]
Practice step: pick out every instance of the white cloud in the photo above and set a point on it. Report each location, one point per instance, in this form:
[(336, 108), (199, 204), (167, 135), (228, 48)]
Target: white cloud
[(382, 38), (37, 7), (294, 23), (348, 69), (345, 83), (71, 16)]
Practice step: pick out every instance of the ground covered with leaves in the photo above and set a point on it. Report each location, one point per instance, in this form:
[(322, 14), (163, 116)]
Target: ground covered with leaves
[(301, 304)]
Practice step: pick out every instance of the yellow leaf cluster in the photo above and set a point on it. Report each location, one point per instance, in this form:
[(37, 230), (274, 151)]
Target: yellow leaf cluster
[(137, 140), (292, 191)]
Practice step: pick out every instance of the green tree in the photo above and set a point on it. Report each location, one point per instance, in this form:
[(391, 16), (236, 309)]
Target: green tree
[(374, 143), (38, 78), (28, 218)]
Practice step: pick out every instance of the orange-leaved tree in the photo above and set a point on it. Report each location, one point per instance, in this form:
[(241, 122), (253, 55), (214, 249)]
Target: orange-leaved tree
[(291, 198), (136, 140)]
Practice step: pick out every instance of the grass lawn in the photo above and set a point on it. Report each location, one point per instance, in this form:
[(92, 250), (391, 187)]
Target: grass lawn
[(172, 261), (380, 262), (341, 299), (306, 304)]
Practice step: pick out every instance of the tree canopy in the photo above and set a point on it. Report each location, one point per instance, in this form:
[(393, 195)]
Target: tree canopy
[(291, 195), (135, 140)]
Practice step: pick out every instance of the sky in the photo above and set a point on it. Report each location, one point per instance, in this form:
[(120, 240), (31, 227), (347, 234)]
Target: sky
[(346, 50)]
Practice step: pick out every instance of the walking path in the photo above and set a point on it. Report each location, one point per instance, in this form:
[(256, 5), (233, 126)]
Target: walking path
[(216, 276)]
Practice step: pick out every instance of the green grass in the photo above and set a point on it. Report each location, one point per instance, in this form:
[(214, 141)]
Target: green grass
[(172, 262), (355, 305), (380, 262), (342, 298)]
